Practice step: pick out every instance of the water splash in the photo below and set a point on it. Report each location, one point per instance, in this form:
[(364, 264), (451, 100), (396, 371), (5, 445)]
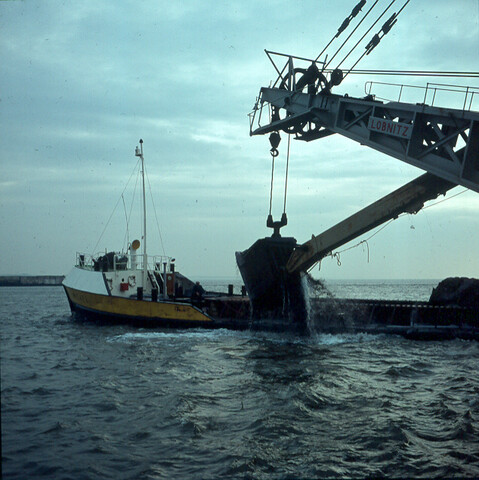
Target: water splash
[(313, 289), (325, 313)]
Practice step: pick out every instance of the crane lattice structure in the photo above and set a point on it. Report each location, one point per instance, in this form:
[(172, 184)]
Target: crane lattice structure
[(442, 141)]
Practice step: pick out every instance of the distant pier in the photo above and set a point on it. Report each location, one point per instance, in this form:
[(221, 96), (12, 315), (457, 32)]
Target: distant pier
[(31, 281)]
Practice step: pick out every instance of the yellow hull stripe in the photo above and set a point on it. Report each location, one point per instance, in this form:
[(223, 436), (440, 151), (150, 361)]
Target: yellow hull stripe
[(136, 308)]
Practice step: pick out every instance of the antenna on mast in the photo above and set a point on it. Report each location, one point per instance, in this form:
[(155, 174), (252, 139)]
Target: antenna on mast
[(139, 153)]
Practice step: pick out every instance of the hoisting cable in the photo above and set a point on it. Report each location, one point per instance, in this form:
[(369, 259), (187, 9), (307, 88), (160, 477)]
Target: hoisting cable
[(416, 73), (402, 8), (271, 188), (286, 175), (274, 140), (368, 30), (352, 33), (344, 25), (385, 29)]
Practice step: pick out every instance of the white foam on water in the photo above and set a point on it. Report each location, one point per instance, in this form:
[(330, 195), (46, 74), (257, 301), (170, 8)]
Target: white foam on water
[(279, 338), (340, 338), (179, 335)]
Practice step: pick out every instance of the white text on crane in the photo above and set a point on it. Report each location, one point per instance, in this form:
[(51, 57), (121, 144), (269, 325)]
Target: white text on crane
[(402, 130)]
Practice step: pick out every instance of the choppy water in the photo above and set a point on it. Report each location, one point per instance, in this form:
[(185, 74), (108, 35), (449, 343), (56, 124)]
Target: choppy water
[(81, 401)]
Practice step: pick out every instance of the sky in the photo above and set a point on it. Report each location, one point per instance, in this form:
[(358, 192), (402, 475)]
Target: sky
[(82, 82)]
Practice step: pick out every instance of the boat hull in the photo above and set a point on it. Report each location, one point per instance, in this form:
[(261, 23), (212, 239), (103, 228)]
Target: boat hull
[(130, 310)]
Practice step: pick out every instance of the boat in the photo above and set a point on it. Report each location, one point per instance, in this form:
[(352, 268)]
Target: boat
[(135, 287)]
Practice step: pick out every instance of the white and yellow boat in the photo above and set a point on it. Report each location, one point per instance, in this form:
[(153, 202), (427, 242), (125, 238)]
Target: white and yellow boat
[(116, 293), (133, 286)]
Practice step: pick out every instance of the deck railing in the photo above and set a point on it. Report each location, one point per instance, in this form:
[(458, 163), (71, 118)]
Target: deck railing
[(117, 261)]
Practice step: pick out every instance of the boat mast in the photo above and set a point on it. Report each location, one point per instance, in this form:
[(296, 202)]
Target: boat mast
[(139, 153)]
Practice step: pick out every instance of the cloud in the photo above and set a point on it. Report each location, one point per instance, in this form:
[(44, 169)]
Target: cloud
[(81, 86)]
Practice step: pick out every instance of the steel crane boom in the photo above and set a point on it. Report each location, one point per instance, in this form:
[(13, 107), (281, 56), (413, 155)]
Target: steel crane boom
[(442, 141), (409, 198)]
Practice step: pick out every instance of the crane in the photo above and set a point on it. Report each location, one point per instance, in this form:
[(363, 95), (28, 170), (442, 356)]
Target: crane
[(444, 142)]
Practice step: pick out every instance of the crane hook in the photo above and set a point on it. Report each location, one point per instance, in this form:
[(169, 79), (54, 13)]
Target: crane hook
[(274, 140)]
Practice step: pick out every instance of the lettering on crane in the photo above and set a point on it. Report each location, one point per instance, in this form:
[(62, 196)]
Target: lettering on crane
[(401, 130)]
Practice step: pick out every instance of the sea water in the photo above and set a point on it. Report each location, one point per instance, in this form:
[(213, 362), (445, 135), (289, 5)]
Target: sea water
[(84, 401), (413, 290)]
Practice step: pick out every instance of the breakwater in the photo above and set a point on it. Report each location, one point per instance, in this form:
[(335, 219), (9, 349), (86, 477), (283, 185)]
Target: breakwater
[(30, 281)]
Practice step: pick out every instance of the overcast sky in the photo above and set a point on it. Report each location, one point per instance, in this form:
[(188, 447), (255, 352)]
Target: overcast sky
[(82, 82)]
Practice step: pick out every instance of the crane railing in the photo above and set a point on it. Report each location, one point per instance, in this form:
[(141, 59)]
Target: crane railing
[(465, 96), (286, 75)]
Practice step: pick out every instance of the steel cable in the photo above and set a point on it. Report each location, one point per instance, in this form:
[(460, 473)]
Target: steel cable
[(271, 189), (368, 50), (286, 175), (351, 34), (362, 38)]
